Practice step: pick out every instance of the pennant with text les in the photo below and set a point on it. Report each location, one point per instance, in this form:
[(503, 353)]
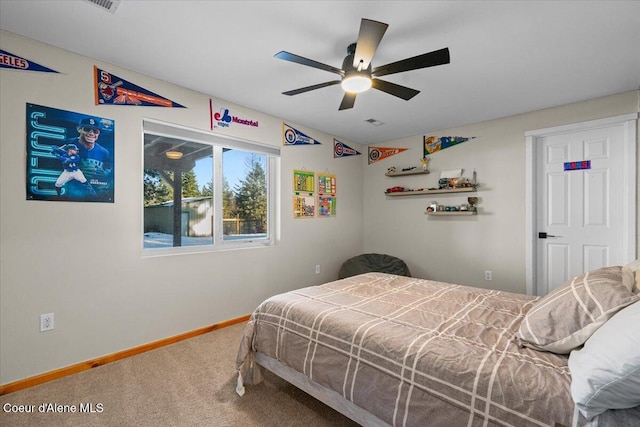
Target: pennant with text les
[(438, 143), (292, 136), (14, 62), (379, 153), (340, 149), (112, 90)]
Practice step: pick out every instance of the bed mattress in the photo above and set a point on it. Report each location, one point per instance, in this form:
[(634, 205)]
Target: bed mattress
[(415, 352)]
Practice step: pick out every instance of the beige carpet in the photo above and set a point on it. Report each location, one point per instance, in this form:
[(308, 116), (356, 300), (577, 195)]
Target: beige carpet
[(190, 383)]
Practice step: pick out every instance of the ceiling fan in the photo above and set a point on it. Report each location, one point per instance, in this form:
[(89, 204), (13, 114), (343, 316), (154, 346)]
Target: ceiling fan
[(357, 74)]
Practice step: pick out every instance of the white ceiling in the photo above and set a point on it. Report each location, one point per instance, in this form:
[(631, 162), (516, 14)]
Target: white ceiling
[(507, 57)]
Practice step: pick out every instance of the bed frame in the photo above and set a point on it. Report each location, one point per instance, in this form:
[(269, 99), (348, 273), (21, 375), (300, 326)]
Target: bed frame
[(323, 394)]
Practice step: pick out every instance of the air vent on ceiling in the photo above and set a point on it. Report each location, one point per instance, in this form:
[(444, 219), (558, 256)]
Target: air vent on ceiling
[(374, 122), (110, 5)]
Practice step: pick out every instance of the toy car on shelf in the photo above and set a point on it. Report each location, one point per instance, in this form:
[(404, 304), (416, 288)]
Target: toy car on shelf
[(394, 190)]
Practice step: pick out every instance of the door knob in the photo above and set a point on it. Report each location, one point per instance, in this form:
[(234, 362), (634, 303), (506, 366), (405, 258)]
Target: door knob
[(544, 235)]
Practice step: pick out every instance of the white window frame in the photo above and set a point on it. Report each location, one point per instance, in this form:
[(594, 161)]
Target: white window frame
[(218, 142)]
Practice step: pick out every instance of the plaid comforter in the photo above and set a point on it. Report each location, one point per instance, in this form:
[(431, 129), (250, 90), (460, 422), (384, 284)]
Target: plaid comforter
[(415, 352)]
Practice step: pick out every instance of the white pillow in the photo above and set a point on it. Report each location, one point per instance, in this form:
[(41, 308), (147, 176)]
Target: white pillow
[(606, 371), (629, 279), (634, 267)]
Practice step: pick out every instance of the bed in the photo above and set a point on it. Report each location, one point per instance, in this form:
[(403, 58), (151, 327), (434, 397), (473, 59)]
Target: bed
[(394, 350)]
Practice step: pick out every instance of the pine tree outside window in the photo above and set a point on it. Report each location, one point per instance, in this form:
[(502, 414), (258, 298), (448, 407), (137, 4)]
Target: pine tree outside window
[(206, 192)]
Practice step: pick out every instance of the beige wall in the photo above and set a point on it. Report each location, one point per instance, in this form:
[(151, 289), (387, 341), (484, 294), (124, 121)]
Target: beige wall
[(106, 297), (461, 249), (83, 261)]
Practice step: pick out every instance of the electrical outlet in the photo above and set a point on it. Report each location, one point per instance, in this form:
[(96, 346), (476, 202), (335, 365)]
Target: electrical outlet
[(318, 269), (46, 322), (488, 275)]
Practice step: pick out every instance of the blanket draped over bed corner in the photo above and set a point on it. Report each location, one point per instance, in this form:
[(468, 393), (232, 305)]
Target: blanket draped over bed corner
[(414, 352)]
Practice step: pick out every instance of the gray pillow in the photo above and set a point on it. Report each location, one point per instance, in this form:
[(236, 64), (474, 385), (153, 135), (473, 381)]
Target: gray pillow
[(567, 316), (606, 371)]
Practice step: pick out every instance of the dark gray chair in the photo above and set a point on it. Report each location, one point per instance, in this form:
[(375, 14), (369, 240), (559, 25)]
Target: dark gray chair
[(366, 263)]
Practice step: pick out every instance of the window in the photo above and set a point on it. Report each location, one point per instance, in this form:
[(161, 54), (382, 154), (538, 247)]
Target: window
[(206, 192)]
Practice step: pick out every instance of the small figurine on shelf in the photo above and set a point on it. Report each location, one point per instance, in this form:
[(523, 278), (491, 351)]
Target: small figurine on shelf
[(424, 162), (473, 201), (392, 169)]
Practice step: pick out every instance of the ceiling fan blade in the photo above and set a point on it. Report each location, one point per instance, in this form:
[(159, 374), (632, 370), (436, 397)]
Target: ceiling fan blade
[(371, 33), (437, 57), (309, 88), (403, 92), (308, 62), (347, 101)]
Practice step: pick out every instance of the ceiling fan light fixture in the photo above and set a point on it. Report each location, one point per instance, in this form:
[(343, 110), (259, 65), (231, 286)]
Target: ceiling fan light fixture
[(173, 155), (357, 70), (356, 83)]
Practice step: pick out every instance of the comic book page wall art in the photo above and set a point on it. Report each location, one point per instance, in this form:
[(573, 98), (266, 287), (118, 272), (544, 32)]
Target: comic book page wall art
[(304, 201), (311, 200), (327, 189)]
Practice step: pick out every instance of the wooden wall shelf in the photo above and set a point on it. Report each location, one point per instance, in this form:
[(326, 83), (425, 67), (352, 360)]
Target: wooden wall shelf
[(410, 172), (452, 213), (441, 191)]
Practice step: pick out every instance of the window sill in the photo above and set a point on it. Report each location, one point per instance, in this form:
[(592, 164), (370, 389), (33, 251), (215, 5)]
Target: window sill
[(187, 250)]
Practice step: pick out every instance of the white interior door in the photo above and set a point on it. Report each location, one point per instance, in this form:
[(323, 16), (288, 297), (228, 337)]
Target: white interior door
[(582, 202)]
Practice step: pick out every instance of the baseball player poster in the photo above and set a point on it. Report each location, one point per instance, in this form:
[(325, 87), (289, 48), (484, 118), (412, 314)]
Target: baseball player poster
[(70, 156)]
